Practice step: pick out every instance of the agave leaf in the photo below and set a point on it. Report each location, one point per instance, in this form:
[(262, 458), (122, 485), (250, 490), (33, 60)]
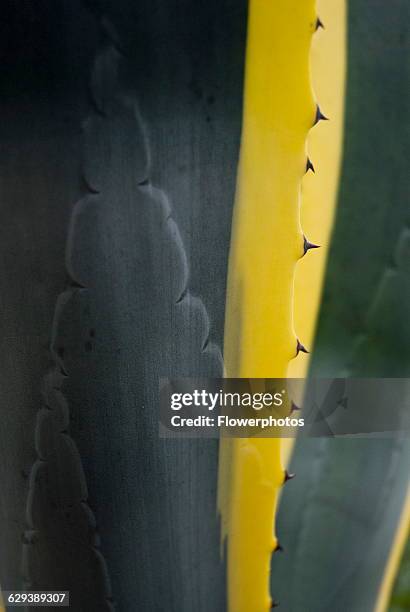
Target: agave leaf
[(43, 99), (153, 185), (338, 520)]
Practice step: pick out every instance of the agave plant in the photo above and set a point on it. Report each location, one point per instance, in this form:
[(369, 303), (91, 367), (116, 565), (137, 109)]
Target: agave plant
[(169, 171)]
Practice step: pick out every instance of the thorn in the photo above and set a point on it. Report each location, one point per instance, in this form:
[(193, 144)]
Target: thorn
[(300, 348), (182, 296), (288, 476), (319, 24), (278, 548), (75, 284), (308, 245), (319, 116), (309, 166), (293, 408)]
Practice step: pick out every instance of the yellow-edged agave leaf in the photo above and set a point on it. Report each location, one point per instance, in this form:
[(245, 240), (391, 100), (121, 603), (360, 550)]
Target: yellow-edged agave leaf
[(267, 242), (337, 523), (320, 183), (320, 187)]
